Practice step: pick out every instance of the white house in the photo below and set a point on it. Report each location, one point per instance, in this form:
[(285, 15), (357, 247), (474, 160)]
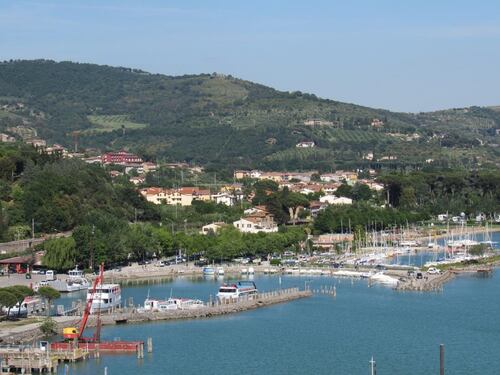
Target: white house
[(224, 198), (254, 224), (308, 144), (332, 199), (212, 227)]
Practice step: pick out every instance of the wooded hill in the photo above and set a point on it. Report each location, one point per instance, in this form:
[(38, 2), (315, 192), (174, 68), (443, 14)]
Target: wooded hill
[(225, 123)]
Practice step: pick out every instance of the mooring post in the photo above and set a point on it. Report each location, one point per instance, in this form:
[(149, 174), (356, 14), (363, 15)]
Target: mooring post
[(150, 345), (66, 369), (105, 370), (334, 291), (373, 365), (441, 359)]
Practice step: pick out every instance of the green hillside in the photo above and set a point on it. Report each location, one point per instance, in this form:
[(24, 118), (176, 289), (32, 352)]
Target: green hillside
[(224, 122)]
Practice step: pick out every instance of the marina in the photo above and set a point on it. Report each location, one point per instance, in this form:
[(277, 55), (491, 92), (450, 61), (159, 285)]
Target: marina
[(347, 328)]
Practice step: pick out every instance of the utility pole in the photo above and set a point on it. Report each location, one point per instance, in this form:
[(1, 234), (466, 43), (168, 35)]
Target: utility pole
[(92, 248)]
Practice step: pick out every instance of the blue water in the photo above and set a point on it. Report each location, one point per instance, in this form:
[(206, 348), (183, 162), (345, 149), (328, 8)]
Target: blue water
[(321, 334)]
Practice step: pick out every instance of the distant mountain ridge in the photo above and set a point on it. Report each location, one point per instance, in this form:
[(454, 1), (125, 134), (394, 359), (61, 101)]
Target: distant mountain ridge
[(225, 122)]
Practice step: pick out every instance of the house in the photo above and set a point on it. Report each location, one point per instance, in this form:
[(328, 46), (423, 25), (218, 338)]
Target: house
[(255, 224), (137, 180), (273, 176), (315, 207), (6, 138), (339, 176), (305, 144), (241, 174), (334, 200), (318, 122), (224, 198), (257, 219), (377, 124), (212, 227), (37, 142), (329, 240), (120, 157), (56, 149), (93, 160), (149, 167), (183, 196)]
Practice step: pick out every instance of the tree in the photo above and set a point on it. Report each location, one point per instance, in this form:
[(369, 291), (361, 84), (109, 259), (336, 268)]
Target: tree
[(48, 294), (20, 292), (344, 190), (48, 327), (361, 192), (60, 253), (479, 249), (7, 299)]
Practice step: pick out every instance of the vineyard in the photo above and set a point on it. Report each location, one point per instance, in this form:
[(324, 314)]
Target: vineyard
[(108, 123), (353, 136)]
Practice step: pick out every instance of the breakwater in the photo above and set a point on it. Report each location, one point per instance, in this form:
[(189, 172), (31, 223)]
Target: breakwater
[(426, 284), (212, 309)]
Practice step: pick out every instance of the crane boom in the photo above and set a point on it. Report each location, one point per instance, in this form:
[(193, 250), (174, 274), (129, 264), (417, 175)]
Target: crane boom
[(86, 313)]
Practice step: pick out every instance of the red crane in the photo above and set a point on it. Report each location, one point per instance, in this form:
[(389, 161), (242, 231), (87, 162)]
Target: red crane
[(71, 333)]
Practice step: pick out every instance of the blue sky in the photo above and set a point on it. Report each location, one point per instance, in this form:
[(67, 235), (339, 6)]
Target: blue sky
[(401, 55)]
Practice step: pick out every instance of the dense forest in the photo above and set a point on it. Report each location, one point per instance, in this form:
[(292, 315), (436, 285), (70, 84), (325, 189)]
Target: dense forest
[(224, 123), (59, 194)]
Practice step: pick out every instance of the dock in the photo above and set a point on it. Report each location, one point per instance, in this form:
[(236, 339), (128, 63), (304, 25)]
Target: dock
[(28, 360)]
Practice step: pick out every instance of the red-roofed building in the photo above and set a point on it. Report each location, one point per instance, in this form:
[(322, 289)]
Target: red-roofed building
[(120, 157)]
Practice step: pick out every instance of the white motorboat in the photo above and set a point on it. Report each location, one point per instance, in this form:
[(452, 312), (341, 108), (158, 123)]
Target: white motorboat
[(208, 271), (152, 304)]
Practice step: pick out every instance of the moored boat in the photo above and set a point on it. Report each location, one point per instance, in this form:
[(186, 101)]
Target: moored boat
[(237, 290)]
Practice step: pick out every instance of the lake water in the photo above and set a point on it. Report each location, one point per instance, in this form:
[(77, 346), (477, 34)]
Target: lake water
[(321, 334)]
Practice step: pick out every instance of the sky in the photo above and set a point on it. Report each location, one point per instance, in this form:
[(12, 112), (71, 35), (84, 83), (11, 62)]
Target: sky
[(410, 55)]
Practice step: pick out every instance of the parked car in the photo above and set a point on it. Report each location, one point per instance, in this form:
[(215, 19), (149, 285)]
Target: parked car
[(433, 271)]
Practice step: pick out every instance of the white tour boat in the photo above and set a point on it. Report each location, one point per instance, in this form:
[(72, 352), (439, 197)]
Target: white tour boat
[(238, 290), (107, 297)]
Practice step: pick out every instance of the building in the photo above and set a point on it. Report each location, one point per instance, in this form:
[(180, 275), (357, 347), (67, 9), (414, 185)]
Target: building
[(120, 157), (305, 144), (377, 124), (56, 149), (183, 196), (334, 200), (315, 207), (6, 138), (224, 198), (256, 219), (149, 167), (241, 174), (212, 228), (254, 224), (329, 240), (318, 122), (137, 180), (340, 176), (37, 142)]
